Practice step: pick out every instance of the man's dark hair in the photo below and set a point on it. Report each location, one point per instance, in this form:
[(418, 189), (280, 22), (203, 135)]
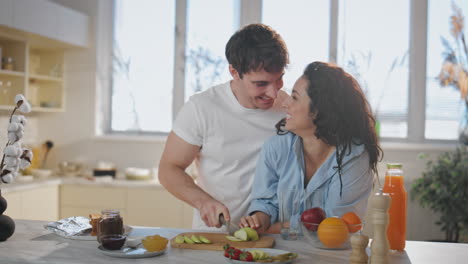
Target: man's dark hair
[(255, 47)]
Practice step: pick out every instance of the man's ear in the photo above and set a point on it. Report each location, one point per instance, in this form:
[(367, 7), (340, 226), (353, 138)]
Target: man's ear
[(234, 73)]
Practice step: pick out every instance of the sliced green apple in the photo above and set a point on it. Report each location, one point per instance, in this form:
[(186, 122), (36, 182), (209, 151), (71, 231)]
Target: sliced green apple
[(251, 233), (188, 240), (241, 234), (204, 240), (232, 238), (195, 239), (179, 239)]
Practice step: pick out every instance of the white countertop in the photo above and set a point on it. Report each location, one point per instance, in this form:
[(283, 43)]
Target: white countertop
[(31, 243), (26, 185)]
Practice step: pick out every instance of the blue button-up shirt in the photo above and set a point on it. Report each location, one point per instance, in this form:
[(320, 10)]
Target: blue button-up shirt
[(281, 166)]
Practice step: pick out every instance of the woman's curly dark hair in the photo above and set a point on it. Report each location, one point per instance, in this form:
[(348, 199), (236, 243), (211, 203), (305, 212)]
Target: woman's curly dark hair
[(343, 116)]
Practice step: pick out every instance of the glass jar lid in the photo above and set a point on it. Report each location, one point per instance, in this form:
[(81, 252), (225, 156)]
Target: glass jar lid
[(394, 165)]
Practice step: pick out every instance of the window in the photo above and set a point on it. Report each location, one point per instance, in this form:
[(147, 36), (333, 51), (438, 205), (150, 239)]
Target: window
[(376, 54), (443, 104), (306, 43), (206, 64), (382, 43), (143, 63)]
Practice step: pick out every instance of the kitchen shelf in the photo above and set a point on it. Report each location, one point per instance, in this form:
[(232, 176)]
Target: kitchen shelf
[(12, 73), (45, 78), (48, 109), (37, 74)]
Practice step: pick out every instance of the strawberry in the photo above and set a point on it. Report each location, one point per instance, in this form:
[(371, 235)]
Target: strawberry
[(235, 254), (227, 250), (246, 256)]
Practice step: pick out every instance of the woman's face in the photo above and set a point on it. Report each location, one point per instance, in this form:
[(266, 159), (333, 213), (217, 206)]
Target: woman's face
[(298, 117)]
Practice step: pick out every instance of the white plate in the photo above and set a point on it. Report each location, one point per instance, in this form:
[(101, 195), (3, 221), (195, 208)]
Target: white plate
[(127, 252), (89, 237), (270, 251)]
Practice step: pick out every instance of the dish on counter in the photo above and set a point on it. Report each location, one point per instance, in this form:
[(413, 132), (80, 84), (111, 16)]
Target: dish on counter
[(113, 242), (127, 252), (88, 237), (270, 251)]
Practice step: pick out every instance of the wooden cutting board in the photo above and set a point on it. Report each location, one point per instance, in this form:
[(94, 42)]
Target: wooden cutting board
[(219, 240)]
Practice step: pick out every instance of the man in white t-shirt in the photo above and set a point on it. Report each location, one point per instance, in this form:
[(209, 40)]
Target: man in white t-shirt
[(224, 127)]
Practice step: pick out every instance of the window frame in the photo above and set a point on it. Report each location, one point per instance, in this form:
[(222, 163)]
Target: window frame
[(249, 11)]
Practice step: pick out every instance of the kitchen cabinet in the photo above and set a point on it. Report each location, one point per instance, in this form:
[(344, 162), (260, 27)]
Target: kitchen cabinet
[(145, 204), (86, 199), (157, 207), (37, 73), (72, 27), (34, 204), (36, 16), (13, 204), (50, 20), (35, 34), (152, 206), (6, 14)]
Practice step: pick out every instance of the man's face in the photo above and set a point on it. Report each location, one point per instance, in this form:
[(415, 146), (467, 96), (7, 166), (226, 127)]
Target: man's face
[(258, 89)]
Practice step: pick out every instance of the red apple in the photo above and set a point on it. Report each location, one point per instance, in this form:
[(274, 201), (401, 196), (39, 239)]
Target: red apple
[(312, 218)]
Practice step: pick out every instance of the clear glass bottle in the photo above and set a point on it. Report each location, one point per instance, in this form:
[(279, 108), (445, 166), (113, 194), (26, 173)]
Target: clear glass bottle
[(111, 223), (394, 186)]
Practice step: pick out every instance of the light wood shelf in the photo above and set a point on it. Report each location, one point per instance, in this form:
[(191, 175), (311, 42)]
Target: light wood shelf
[(37, 74), (12, 73), (45, 78)]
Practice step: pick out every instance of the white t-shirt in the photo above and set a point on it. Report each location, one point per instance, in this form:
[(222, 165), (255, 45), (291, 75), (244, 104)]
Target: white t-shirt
[(230, 137)]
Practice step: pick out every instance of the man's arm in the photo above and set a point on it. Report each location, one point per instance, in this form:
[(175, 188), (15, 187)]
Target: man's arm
[(177, 156)]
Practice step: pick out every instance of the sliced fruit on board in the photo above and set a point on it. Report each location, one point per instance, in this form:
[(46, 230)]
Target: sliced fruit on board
[(188, 240), (205, 240), (232, 238), (195, 239), (241, 234), (179, 239), (251, 233), (218, 240)]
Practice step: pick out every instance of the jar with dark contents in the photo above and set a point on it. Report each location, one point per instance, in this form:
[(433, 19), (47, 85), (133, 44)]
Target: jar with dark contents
[(111, 223)]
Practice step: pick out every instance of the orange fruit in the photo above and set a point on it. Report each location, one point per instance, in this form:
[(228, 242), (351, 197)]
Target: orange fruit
[(332, 232), (353, 222)]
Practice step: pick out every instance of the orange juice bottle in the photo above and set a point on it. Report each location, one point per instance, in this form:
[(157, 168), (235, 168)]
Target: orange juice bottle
[(396, 231)]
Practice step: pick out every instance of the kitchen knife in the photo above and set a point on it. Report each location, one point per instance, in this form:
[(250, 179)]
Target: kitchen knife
[(228, 224)]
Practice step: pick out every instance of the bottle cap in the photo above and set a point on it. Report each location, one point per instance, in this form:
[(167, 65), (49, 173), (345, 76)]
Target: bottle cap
[(394, 165)]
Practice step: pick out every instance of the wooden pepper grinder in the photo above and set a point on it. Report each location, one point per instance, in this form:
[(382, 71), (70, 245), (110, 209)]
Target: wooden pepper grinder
[(359, 244), (379, 246)]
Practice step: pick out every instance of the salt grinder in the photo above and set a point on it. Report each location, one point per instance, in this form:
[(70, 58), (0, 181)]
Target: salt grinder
[(380, 246), (359, 244)]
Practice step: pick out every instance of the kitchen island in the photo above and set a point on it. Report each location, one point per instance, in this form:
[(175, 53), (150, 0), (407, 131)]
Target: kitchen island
[(31, 243)]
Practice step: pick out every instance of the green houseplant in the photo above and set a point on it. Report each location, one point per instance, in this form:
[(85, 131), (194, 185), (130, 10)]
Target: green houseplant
[(444, 189)]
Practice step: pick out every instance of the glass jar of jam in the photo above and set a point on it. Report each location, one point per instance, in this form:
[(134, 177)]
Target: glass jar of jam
[(111, 223)]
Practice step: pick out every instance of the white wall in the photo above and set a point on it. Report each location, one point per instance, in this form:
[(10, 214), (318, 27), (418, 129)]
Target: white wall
[(74, 132)]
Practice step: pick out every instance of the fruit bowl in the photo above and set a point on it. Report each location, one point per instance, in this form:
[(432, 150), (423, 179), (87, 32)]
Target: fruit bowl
[(332, 233)]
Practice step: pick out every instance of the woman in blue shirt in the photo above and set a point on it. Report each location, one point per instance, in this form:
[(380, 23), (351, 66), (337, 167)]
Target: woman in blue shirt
[(326, 147)]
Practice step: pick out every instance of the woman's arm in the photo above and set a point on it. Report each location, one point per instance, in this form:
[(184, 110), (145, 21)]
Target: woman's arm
[(263, 209)]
